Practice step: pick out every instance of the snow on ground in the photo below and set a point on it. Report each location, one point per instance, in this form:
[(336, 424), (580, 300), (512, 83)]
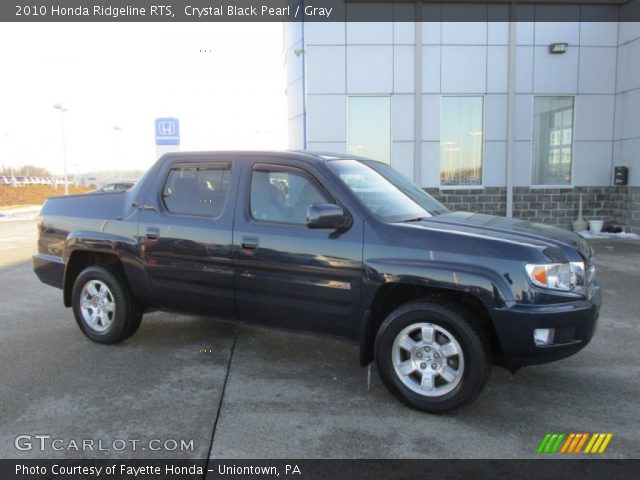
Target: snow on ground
[(27, 212), (588, 234)]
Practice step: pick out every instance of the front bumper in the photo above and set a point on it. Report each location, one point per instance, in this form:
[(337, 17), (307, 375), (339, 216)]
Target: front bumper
[(574, 324)]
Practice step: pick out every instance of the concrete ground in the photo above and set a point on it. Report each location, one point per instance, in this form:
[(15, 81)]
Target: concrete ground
[(247, 392)]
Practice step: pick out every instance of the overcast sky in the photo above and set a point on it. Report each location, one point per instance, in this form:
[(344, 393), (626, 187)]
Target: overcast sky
[(230, 95)]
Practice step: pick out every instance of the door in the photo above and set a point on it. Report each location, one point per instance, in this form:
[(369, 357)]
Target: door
[(287, 274), (186, 238)]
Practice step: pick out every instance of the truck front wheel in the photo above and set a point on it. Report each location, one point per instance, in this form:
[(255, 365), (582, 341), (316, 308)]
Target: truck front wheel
[(103, 306), (432, 357)]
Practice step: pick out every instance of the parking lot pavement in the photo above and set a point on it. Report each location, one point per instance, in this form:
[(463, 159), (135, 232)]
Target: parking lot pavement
[(304, 396), (17, 242), (157, 385), (294, 395)]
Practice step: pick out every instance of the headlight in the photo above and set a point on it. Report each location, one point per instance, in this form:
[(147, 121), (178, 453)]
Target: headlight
[(558, 276)]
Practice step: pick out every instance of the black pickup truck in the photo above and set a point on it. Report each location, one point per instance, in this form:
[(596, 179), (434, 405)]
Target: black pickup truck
[(335, 244)]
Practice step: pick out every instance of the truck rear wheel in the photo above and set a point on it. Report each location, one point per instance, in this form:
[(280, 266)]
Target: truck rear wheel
[(431, 357), (103, 306)]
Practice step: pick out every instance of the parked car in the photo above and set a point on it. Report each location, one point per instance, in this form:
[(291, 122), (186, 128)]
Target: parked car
[(349, 248), (5, 180), (20, 181), (114, 187)]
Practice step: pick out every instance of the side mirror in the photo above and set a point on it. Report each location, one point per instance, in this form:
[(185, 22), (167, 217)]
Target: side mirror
[(327, 215)]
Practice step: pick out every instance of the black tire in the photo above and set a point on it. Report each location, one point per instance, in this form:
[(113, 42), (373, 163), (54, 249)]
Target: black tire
[(473, 341), (122, 321), (134, 325)]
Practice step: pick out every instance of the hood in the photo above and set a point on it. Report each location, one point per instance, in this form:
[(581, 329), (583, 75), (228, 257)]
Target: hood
[(508, 228)]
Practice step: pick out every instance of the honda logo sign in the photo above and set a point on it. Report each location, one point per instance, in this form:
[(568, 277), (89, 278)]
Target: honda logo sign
[(167, 131)]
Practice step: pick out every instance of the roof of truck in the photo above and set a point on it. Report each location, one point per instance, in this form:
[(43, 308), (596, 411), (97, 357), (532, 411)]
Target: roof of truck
[(310, 155)]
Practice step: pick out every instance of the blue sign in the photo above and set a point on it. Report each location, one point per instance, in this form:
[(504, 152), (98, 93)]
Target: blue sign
[(167, 131)]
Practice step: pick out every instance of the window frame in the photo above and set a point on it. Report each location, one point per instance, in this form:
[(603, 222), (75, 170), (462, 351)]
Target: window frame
[(573, 140), (293, 169), (481, 185), (391, 125), (197, 165)]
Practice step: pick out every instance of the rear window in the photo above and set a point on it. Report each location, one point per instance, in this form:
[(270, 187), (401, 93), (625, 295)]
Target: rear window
[(197, 190)]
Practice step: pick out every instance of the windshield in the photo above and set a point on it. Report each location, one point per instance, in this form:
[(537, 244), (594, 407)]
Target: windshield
[(385, 192)]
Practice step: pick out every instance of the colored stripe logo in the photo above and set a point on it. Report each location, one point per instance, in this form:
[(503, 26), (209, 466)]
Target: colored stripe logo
[(574, 443)]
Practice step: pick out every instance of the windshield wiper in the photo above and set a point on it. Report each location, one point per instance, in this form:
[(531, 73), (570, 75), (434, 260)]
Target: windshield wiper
[(418, 219)]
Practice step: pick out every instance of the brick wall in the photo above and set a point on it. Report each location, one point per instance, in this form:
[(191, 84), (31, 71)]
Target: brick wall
[(490, 200), (633, 210), (551, 206)]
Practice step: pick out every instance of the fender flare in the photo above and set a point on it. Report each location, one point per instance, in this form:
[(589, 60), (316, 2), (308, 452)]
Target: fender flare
[(125, 249), (486, 286)]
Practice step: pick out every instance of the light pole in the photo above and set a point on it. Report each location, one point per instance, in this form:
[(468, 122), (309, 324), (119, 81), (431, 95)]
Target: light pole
[(477, 139), (10, 158), (62, 109), (118, 130), (447, 163)]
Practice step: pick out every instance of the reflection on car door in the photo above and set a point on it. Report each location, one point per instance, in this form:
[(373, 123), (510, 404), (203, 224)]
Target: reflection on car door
[(186, 239), (285, 273)]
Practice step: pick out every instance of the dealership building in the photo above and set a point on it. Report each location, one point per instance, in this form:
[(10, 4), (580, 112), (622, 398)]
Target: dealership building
[(519, 118)]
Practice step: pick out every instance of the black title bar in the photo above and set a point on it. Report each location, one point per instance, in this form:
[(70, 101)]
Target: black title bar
[(318, 469), (316, 11)]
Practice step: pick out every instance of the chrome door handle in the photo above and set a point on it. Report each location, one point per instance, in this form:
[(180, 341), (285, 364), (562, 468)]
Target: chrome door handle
[(249, 243), (153, 232)]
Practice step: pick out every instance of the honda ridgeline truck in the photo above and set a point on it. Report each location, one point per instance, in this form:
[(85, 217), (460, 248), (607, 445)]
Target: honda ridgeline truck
[(330, 243)]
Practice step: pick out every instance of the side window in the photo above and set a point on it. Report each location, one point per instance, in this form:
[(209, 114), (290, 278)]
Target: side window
[(281, 194), (198, 190)]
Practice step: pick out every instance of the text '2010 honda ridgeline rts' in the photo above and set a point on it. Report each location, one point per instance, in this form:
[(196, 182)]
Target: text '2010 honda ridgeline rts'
[(329, 243)]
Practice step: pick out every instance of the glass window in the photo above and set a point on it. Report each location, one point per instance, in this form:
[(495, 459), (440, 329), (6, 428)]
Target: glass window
[(282, 194), (197, 190), (461, 143), (385, 192), (369, 127), (552, 140)]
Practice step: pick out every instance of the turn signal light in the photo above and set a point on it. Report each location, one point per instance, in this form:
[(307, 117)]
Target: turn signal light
[(539, 274), (558, 276)]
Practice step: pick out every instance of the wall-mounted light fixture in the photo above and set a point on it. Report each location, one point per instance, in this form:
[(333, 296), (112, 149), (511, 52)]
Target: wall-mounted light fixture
[(298, 51), (558, 47)]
